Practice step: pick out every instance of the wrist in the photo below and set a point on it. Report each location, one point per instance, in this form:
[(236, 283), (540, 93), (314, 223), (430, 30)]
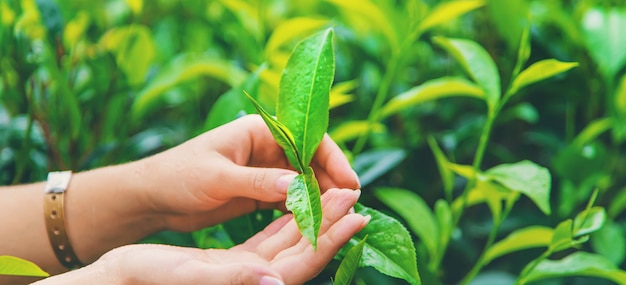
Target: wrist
[(106, 208)]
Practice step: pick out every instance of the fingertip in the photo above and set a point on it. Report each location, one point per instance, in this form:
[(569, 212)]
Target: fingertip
[(270, 280)]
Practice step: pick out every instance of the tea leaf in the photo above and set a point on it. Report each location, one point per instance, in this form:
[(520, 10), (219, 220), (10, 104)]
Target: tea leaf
[(578, 264), (539, 71), (375, 16), (353, 129), (414, 210), (291, 30), (610, 242), (432, 90), (231, 104), (602, 31), (183, 68), (589, 221), (523, 52), (374, 163), (349, 264), (509, 18), (10, 265), (443, 213), (447, 11), (563, 237), (281, 134), (447, 176), (525, 238), (619, 99), (388, 248), (477, 63), (303, 99), (339, 94), (526, 177), (303, 200), (134, 50)]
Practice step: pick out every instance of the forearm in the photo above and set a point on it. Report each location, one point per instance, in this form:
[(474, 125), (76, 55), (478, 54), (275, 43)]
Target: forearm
[(104, 208)]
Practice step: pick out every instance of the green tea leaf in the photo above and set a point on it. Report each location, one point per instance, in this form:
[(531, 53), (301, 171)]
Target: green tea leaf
[(389, 248), (539, 71), (349, 264), (477, 63), (303, 200), (509, 18), (10, 265), (447, 176), (526, 177), (353, 129), (445, 222), (589, 221), (578, 264), (369, 13), (374, 163), (525, 238), (134, 50), (291, 30), (339, 93), (610, 242), (447, 11), (602, 32), (563, 237), (303, 99), (184, 68), (523, 52), (594, 129), (619, 99), (231, 104), (212, 237), (414, 210), (432, 90), (281, 134)]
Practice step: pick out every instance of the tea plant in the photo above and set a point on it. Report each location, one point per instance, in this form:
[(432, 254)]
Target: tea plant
[(303, 107), (426, 103)]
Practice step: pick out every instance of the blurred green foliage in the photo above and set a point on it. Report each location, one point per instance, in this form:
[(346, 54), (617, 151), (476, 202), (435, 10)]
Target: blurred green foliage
[(91, 83)]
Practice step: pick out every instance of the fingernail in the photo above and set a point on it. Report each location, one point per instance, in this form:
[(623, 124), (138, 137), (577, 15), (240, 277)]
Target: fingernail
[(356, 177), (357, 194), (366, 220), (283, 182), (268, 280), (351, 211)]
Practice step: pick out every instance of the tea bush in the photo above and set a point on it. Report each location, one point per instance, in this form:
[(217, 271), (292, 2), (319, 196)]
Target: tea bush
[(493, 130)]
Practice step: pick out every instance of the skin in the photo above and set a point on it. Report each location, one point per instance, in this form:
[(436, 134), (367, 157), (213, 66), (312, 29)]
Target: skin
[(221, 174)]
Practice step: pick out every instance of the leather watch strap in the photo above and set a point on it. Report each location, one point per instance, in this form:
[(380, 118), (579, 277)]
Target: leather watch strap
[(54, 215)]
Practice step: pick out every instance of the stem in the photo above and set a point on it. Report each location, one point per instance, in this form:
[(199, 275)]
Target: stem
[(381, 95), (478, 158), (521, 279), (397, 57), (490, 240)]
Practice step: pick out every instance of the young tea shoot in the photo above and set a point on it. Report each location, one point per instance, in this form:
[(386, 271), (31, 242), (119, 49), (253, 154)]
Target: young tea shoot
[(301, 122)]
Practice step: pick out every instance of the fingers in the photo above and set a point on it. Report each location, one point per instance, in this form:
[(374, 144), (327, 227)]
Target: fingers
[(263, 184), (311, 262), (332, 167), (161, 264), (269, 231), (335, 204)]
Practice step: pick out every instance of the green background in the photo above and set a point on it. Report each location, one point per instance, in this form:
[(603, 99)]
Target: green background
[(85, 84)]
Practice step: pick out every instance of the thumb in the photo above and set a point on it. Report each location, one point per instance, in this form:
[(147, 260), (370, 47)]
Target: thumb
[(263, 184)]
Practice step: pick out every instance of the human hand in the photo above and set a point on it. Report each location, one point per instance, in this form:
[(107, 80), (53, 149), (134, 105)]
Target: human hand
[(230, 171), (277, 254)]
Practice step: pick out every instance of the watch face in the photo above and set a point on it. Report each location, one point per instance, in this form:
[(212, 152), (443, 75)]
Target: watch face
[(57, 182)]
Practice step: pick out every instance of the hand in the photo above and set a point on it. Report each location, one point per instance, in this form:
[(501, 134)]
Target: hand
[(278, 253), (230, 171)]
